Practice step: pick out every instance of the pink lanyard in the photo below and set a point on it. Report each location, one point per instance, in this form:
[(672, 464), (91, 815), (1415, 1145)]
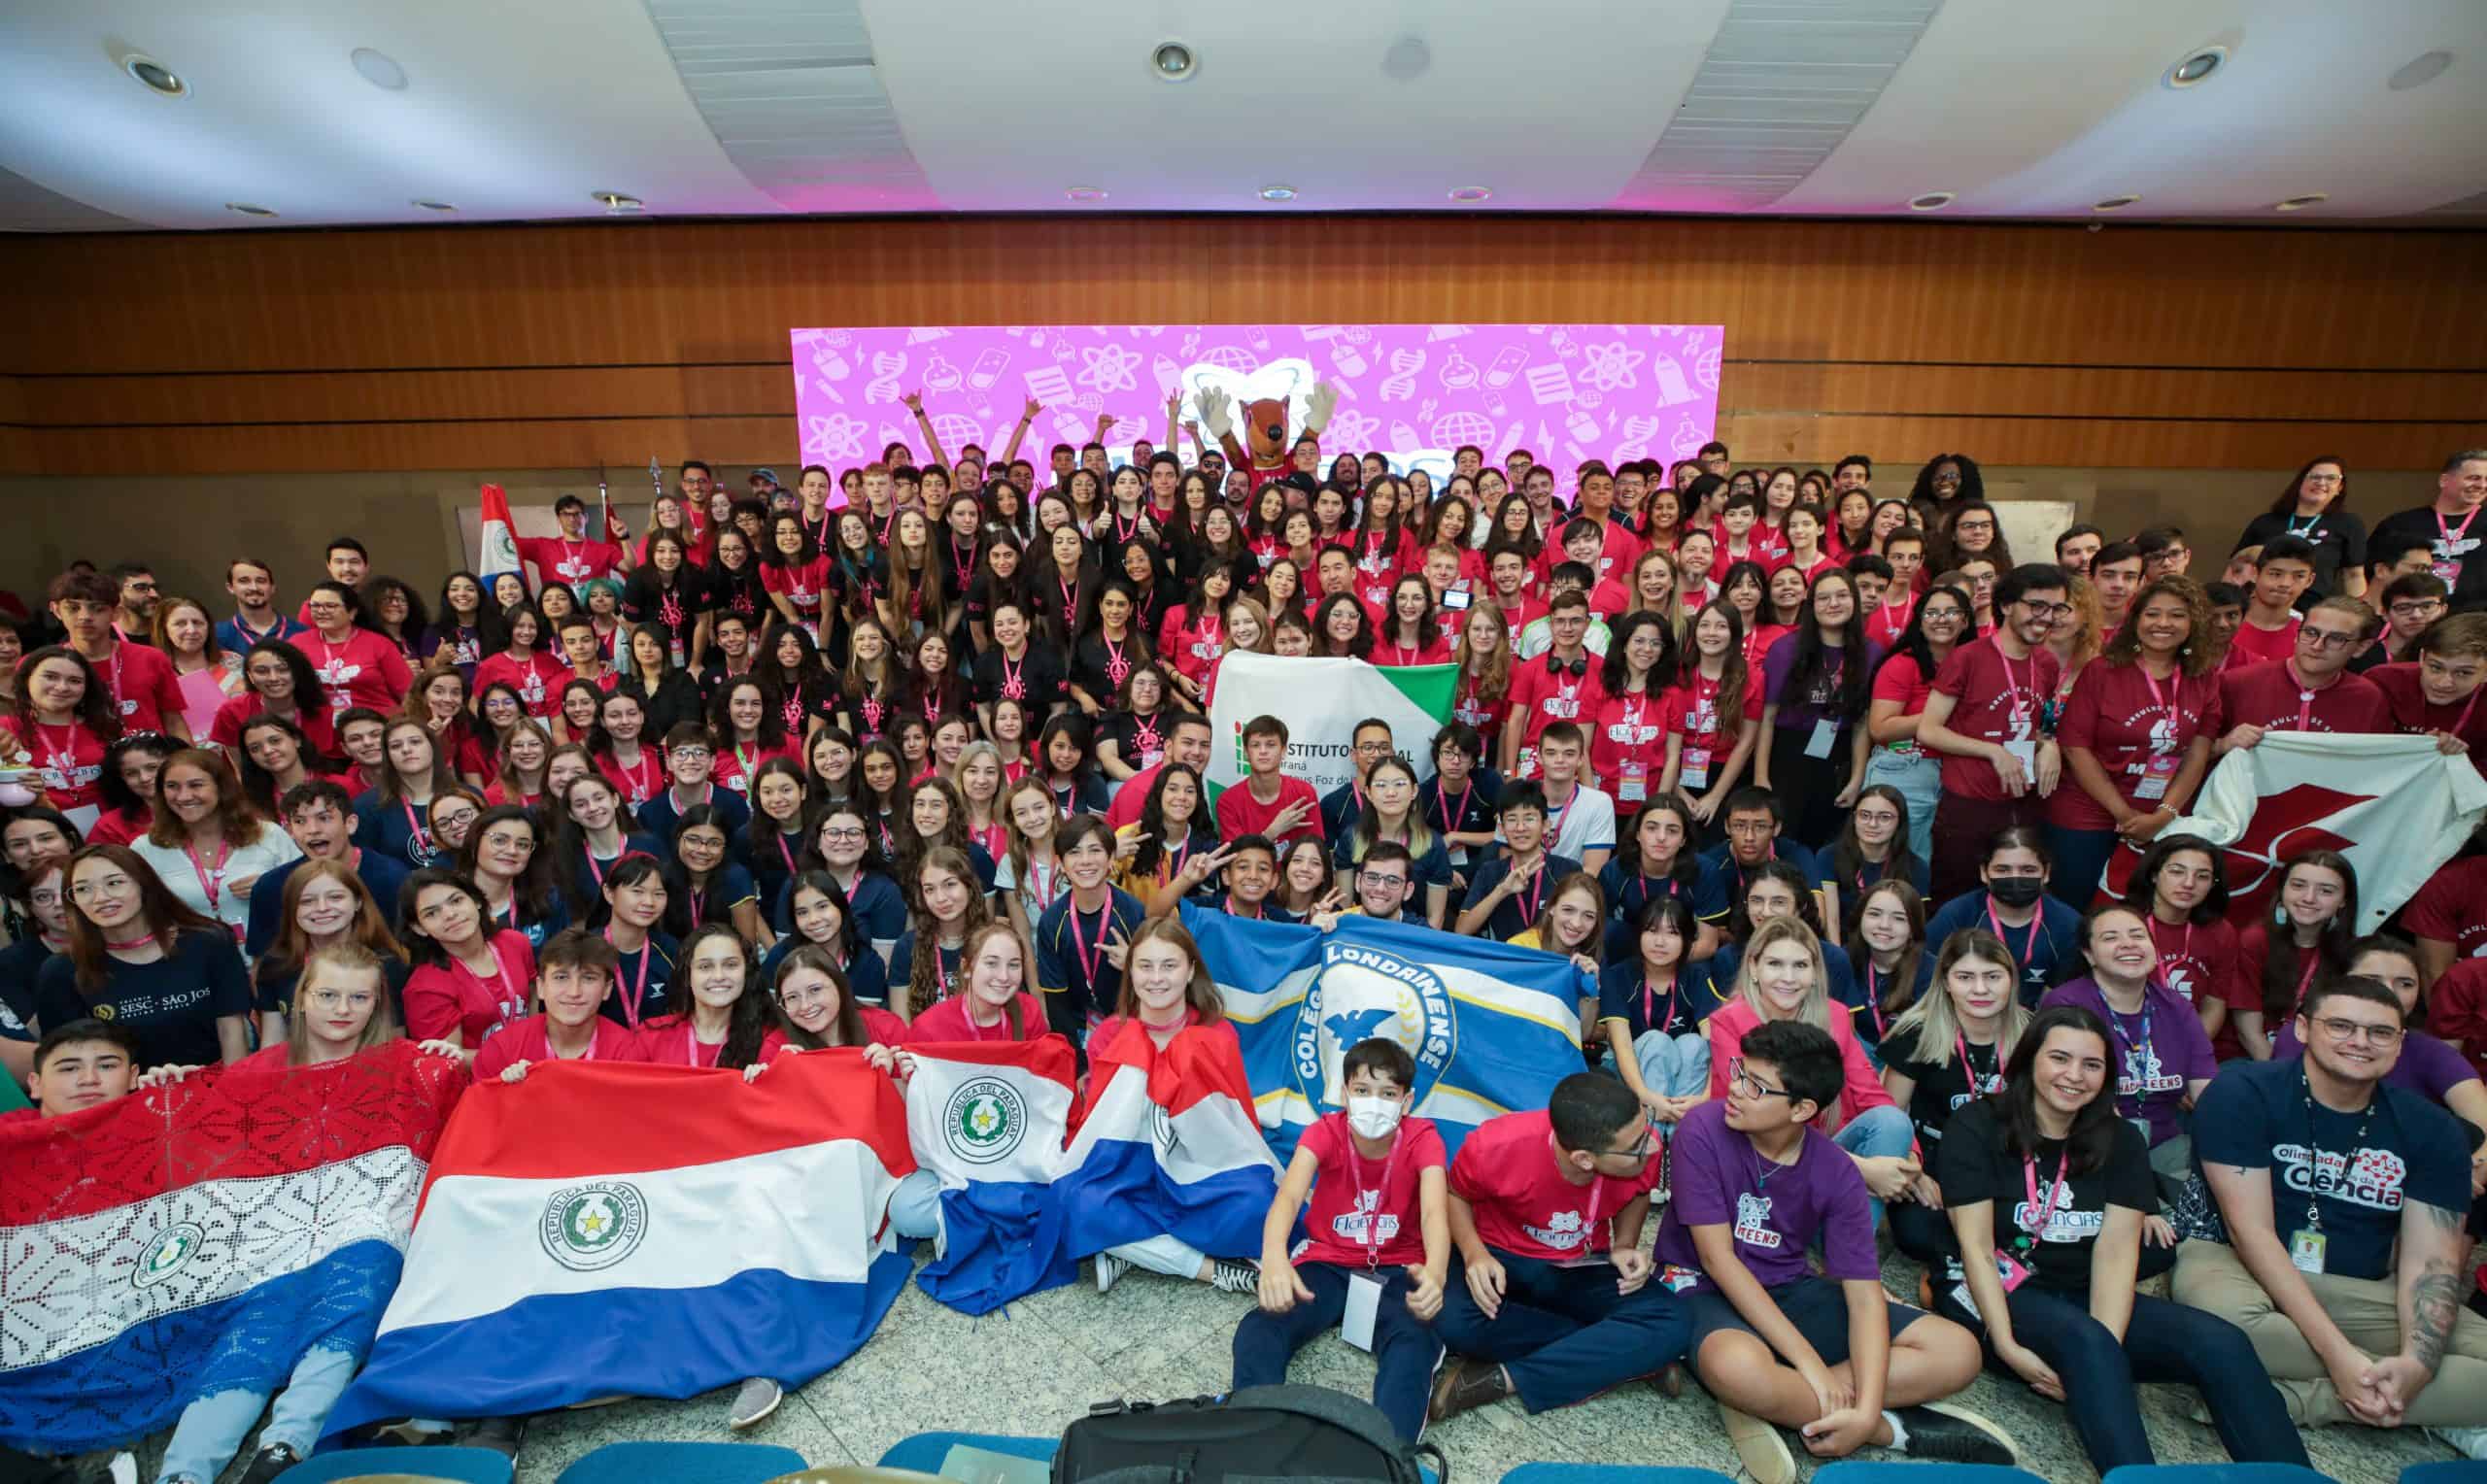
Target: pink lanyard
[(2452, 533), (503, 1005), (1648, 1002), (2159, 701), (2046, 1214), (1968, 1068), (785, 853), (1088, 959), (211, 881), (2305, 696), (1451, 818), (1013, 687), (1536, 896), (2029, 941), (639, 990), (1597, 1197), (416, 835), (1372, 1238)]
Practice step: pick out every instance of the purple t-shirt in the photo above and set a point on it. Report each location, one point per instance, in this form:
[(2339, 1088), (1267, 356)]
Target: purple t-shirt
[(2427, 1067), (1718, 1180), (1803, 711), (2156, 1052)]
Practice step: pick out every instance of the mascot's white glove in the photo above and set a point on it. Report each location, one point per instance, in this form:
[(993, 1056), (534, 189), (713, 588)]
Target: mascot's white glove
[(1318, 405), (1214, 415)]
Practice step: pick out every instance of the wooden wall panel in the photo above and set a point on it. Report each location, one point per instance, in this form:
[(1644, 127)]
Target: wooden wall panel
[(544, 347)]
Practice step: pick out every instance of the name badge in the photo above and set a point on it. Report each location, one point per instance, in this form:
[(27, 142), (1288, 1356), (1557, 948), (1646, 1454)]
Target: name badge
[(1696, 771), (2305, 1251), (2156, 774), (1826, 733), (1633, 785), (1364, 1306), (2007, 1271)]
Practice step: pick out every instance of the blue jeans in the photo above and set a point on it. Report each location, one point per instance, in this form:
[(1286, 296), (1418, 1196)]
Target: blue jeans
[(2081, 859), (915, 1206), (1919, 780), (1876, 1133), (2164, 1343), (1405, 1350), (1563, 1333), (212, 1428)]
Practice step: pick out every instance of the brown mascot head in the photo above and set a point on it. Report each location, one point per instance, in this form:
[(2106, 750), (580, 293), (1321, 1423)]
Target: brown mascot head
[(1265, 430)]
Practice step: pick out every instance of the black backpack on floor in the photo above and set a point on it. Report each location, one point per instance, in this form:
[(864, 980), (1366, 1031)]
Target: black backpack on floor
[(1262, 1432)]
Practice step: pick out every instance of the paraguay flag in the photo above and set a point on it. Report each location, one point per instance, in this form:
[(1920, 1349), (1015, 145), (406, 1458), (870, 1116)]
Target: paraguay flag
[(1166, 1145), (990, 1118), (204, 1236), (569, 1246), (496, 537), (1492, 1028)]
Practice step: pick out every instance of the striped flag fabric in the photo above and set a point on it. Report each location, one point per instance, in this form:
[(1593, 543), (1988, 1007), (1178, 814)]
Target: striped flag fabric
[(203, 1236), (1492, 1028), (1167, 1144), (990, 1118), (497, 540), (571, 1244), (1323, 700)]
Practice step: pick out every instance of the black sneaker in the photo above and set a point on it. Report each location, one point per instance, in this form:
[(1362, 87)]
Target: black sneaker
[(271, 1461), (1460, 1386), (1954, 1435)]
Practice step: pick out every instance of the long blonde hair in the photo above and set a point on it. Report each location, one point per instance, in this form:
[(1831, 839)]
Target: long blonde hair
[(1936, 1026), (1816, 1010), (343, 956), (1200, 994)]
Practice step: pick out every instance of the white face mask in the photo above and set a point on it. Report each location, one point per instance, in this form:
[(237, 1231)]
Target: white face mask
[(1374, 1117)]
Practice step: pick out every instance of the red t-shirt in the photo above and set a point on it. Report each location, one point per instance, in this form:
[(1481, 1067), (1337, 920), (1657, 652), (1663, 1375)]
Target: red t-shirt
[(805, 585), (736, 764), (1485, 716), (528, 1041), (2245, 987), (670, 1040), (1693, 711), (1388, 651), (2200, 961), (70, 759), (638, 783), (1190, 644), (2457, 1010), (2411, 711), (2268, 697), (1994, 699), (119, 828), (319, 726), (2452, 908), (2117, 715), (947, 1019), (1239, 814), (1378, 563), (1520, 616), (366, 670), (1898, 678), (142, 680), (445, 1000), (1886, 624), (1507, 1171), (1548, 697), (559, 560), (538, 679), (2261, 646), (1628, 747), (1353, 1196)]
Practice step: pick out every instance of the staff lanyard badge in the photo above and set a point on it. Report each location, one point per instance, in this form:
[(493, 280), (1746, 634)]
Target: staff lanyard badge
[(2159, 770), (1826, 735), (1365, 1289), (1695, 770)]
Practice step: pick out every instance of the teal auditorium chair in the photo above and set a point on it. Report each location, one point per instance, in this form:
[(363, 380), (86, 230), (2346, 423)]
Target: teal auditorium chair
[(681, 1464), (925, 1451), (2215, 1473), (1616, 1474), (1914, 1472), (2453, 1471), (465, 1465)]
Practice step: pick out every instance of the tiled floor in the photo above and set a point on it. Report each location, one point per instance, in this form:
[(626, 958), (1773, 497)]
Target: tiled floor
[(1032, 1368)]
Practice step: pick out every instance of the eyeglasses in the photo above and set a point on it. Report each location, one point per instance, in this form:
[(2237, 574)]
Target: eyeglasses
[(1637, 1153), (2425, 608), (2325, 638), (2340, 1030), (842, 834), (1750, 1085), (1380, 879), (2048, 610)]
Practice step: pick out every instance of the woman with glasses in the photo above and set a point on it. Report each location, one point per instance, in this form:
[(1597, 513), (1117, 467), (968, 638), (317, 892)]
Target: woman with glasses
[(2314, 507), (356, 665)]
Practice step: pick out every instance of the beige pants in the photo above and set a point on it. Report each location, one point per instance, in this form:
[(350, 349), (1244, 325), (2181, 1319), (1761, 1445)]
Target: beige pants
[(2209, 1275)]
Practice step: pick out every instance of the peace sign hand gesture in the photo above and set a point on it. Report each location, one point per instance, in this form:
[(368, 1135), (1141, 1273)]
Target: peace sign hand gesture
[(1117, 949)]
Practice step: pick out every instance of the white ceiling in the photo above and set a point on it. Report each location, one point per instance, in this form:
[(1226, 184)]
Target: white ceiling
[(706, 108)]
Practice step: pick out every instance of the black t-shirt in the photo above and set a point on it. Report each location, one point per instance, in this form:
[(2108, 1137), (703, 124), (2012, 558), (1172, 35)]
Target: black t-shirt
[(740, 593), (19, 964), (1624, 993), (173, 1004), (644, 596), (1039, 673), (2340, 541), (1941, 1093), (2466, 548), (1972, 1166), (1138, 741), (1098, 669)]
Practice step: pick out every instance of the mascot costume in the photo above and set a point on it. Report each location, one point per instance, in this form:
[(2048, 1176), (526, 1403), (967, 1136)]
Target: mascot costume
[(1266, 453)]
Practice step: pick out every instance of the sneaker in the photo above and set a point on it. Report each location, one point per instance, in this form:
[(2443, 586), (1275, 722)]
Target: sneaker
[(1229, 1276), (1954, 1435), (1670, 1381), (122, 1470), (758, 1398), (1110, 1270), (2469, 1442), (1459, 1387), (269, 1462), (1759, 1446), (502, 1434)]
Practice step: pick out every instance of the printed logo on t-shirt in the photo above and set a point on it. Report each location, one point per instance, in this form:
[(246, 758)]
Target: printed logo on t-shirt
[(2178, 974), (2373, 1179), (1563, 1231), (2064, 1226), (2144, 1072), (1752, 1221), (1351, 1225), (1979, 1087)]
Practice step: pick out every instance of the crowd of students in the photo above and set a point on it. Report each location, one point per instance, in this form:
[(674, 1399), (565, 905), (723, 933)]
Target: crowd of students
[(1813, 783)]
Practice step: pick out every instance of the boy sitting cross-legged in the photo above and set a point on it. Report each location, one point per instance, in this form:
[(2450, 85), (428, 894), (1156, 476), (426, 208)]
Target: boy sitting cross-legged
[(1778, 1345)]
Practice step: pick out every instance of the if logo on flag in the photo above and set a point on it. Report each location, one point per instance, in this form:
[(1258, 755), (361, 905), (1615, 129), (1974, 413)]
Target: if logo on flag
[(984, 1121), (588, 1227)]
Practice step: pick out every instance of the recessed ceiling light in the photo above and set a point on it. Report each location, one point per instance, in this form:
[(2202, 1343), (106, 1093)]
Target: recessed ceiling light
[(248, 210), (1472, 193), (2420, 71), (2300, 203), (1407, 59), (2114, 203), (1174, 61), (1278, 193), (1086, 193), (1932, 201), (435, 206), (155, 75), (378, 70), (2195, 68), (615, 203)]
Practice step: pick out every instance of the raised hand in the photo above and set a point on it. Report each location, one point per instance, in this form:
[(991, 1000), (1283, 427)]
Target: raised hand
[(914, 401)]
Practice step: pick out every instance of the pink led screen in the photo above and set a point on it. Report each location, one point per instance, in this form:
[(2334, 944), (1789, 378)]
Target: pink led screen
[(1412, 392)]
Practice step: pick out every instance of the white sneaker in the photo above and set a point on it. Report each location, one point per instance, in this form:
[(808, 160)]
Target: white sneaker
[(758, 1398), (1110, 1269), (1759, 1446), (2471, 1442)]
